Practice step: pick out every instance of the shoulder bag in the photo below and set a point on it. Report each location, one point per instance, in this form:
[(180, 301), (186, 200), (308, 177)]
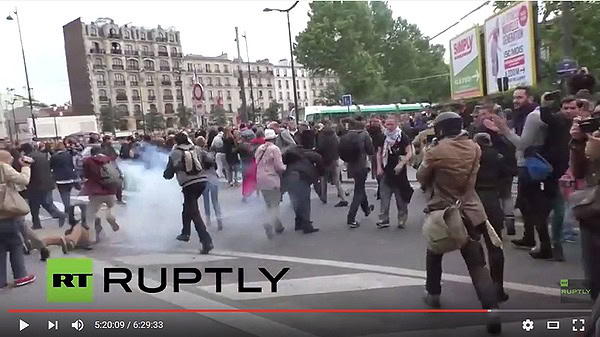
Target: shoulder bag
[(12, 203)]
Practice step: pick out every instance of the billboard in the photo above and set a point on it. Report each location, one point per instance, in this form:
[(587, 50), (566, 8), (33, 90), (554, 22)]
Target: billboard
[(466, 78), (510, 47)]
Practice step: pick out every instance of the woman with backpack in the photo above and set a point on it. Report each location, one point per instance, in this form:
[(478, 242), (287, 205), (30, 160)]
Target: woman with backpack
[(211, 192), (247, 148)]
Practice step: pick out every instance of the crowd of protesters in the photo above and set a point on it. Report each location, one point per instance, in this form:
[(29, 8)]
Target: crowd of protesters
[(469, 163)]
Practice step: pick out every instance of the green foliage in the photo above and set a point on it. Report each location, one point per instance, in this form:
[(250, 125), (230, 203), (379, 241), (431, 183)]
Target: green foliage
[(218, 116), (331, 95), (272, 112), (372, 53), (109, 118), (184, 115), (155, 121)]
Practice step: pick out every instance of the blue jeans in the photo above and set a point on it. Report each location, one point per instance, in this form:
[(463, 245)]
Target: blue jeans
[(211, 193), (11, 244)]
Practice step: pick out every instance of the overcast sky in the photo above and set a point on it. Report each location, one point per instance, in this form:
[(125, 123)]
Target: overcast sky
[(207, 28)]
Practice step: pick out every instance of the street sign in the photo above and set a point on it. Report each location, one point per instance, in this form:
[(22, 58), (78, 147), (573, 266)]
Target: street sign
[(347, 100), (198, 92)]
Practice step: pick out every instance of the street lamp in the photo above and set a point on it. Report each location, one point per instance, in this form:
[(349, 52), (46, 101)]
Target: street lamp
[(287, 12), (250, 79), (10, 18)]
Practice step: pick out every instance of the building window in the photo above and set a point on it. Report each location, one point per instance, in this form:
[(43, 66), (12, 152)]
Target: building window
[(207, 68), (210, 94), (162, 51), (190, 67), (176, 65), (143, 35), (133, 65), (288, 95), (225, 68), (119, 78), (280, 96), (137, 109), (228, 95), (218, 81), (121, 93), (93, 32), (277, 71), (100, 77), (304, 83), (150, 78), (123, 109), (302, 73), (173, 51), (270, 94), (230, 107), (305, 95), (313, 93), (127, 34), (227, 81), (112, 32), (151, 93), (279, 83), (209, 81), (217, 68), (166, 78), (219, 94), (200, 80), (171, 38), (133, 78), (98, 62), (117, 62), (285, 72), (212, 107), (135, 93), (129, 49), (169, 108), (102, 93), (260, 94), (297, 83), (287, 84), (164, 64), (153, 108), (145, 49)]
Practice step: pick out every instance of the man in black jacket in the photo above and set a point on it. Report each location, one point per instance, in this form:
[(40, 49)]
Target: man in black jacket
[(303, 169), (327, 147), (63, 170), (39, 190)]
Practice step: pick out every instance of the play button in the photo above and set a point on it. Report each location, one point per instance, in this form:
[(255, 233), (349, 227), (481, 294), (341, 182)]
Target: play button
[(23, 325)]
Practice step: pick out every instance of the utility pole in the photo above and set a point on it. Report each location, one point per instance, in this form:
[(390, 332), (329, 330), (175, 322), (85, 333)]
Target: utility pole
[(249, 77), (241, 78), (565, 22)]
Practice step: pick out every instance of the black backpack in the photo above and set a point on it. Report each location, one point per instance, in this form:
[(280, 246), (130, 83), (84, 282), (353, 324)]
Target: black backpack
[(349, 147)]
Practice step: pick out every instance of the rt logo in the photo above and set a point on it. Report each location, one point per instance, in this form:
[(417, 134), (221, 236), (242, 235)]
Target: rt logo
[(70, 280)]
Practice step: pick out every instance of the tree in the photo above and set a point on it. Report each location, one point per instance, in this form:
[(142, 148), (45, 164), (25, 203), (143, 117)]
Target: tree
[(331, 95), (155, 121), (109, 118), (372, 53), (184, 114), (219, 116), (272, 112)]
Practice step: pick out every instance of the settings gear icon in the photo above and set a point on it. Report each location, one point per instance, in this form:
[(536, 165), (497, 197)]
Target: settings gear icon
[(528, 325)]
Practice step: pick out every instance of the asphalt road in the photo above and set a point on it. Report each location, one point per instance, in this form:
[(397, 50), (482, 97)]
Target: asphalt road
[(336, 268)]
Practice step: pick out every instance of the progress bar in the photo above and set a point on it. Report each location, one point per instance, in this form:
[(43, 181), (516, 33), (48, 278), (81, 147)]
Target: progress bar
[(540, 311), (303, 311)]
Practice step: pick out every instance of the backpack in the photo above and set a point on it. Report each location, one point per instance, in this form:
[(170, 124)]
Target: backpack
[(349, 148), (190, 163), (217, 143), (110, 175)]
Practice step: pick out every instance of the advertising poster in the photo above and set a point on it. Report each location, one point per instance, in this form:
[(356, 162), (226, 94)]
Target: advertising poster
[(510, 48), (466, 65)]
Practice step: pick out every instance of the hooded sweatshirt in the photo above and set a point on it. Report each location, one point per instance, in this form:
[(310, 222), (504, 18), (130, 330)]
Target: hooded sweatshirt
[(176, 164), (92, 172)]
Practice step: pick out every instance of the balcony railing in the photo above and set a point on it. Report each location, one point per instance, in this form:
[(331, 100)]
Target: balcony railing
[(131, 52), (133, 68), (147, 53), (114, 36), (135, 98), (116, 51), (118, 67), (179, 98), (163, 53), (168, 97), (269, 85), (151, 98), (150, 83), (97, 51), (101, 83), (163, 68), (178, 55), (162, 39), (259, 85), (166, 82), (103, 98), (121, 98), (178, 83), (134, 83), (120, 83), (99, 66), (169, 112), (148, 68)]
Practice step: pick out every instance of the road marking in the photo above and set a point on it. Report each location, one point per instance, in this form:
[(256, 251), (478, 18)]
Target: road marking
[(388, 270), (316, 285), (252, 324), (169, 259)]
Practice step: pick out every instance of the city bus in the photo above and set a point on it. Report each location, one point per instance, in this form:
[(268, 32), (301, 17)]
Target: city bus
[(335, 113)]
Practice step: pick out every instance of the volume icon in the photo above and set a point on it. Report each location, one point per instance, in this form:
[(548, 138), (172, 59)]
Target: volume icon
[(77, 325)]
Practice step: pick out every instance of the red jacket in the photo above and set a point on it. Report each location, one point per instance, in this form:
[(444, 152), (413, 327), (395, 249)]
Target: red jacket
[(91, 171)]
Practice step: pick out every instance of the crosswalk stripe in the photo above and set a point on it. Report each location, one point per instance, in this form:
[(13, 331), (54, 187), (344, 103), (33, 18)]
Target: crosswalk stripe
[(316, 285), (169, 259)]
